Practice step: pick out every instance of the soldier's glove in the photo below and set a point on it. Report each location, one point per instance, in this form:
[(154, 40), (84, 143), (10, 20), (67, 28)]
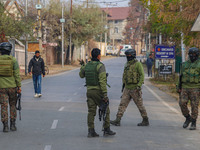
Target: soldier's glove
[(82, 63), (19, 90), (105, 98)]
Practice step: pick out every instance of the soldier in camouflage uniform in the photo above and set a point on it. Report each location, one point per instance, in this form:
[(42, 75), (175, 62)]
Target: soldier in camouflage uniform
[(133, 78), (96, 81), (190, 88), (10, 84)]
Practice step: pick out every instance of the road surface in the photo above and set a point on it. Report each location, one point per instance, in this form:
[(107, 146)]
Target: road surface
[(57, 120)]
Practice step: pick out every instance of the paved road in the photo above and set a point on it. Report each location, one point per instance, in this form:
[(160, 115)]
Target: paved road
[(57, 121)]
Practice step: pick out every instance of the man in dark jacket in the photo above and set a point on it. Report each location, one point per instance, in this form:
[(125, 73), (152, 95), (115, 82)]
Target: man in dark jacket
[(37, 66), (149, 64)]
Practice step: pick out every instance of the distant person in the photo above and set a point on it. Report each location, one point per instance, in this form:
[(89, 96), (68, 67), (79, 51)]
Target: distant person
[(37, 65), (133, 78), (94, 73), (189, 88), (149, 64), (10, 85)]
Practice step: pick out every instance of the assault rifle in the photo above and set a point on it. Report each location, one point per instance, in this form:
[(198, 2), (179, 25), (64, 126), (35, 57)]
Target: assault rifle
[(18, 104), (103, 108)]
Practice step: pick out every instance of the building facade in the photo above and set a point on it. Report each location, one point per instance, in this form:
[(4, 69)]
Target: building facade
[(116, 23)]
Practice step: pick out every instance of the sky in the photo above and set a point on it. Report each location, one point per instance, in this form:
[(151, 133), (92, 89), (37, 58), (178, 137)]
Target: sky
[(110, 3), (115, 3)]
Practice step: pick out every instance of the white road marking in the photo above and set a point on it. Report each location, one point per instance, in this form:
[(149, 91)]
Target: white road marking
[(162, 101), (75, 93), (54, 124), (47, 147), (61, 108)]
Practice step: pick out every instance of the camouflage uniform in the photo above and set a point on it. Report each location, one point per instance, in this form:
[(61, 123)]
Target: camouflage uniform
[(133, 78), (194, 96), (8, 91), (8, 95), (190, 88), (132, 88), (136, 95)]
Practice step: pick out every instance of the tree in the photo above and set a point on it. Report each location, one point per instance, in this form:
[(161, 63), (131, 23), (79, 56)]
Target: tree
[(86, 23), (11, 26), (168, 18)]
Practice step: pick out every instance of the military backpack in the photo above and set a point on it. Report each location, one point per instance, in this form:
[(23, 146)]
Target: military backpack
[(91, 73), (130, 75), (6, 66)]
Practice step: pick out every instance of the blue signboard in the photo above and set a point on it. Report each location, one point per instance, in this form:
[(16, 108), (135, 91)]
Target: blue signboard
[(164, 52)]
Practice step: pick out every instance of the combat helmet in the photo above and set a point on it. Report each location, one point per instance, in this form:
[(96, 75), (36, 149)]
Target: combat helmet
[(131, 52), (193, 53), (5, 46)]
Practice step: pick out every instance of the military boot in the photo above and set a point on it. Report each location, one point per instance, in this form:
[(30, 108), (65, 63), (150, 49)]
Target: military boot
[(193, 125), (108, 132), (145, 122), (187, 121), (5, 126), (12, 125), (92, 133), (116, 122)]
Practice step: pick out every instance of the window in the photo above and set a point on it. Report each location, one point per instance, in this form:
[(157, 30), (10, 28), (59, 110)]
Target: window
[(116, 21), (116, 30)]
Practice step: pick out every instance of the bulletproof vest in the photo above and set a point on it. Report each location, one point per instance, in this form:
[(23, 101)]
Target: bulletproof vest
[(191, 72), (6, 66), (130, 75), (91, 73)]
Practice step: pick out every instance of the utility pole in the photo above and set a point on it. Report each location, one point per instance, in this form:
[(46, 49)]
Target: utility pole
[(70, 38), (101, 33), (26, 42), (39, 7), (62, 21), (182, 42), (86, 54), (149, 3)]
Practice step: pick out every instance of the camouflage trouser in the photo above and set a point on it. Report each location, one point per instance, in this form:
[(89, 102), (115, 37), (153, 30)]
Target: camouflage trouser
[(8, 95), (192, 95), (136, 95), (94, 99)]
